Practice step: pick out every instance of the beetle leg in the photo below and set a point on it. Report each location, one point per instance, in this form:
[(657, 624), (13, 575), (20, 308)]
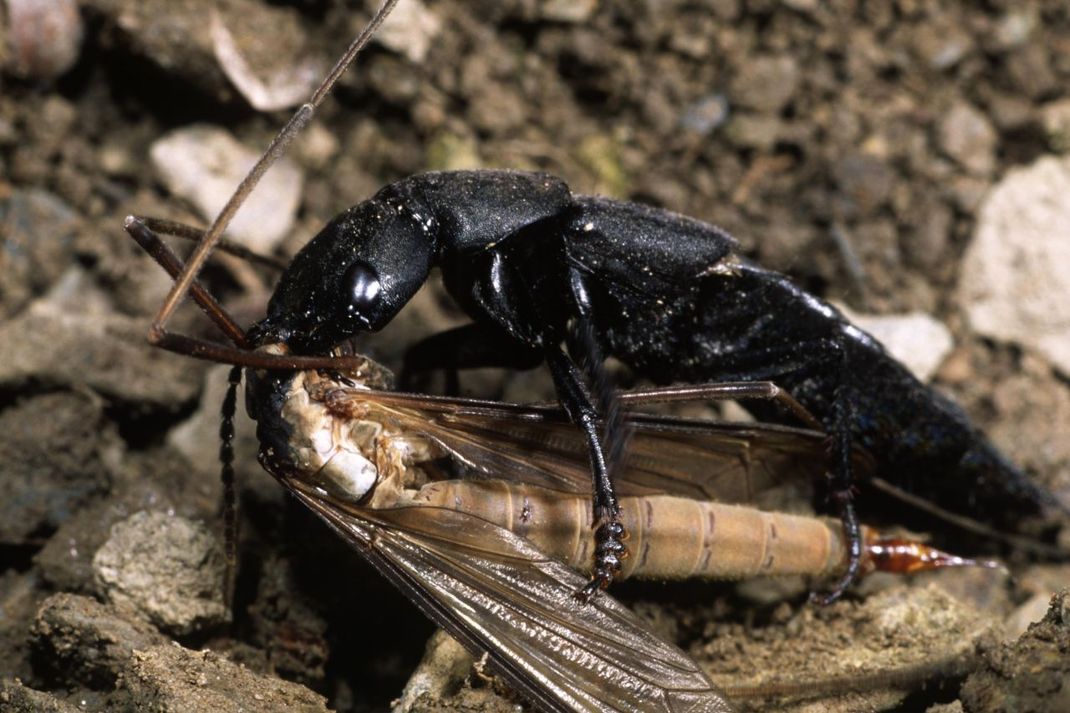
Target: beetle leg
[(610, 535), (798, 361), (842, 494), (469, 346)]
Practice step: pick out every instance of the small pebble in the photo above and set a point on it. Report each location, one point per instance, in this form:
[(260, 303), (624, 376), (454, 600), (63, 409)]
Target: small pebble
[(167, 567), (1055, 118), (44, 37), (967, 136), (706, 115), (37, 230), (1014, 28), (410, 30), (766, 84), (573, 11), (204, 165), (754, 131), (285, 85), (916, 339), (1015, 277)]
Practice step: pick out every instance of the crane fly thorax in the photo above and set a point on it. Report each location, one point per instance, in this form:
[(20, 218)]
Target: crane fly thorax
[(354, 451)]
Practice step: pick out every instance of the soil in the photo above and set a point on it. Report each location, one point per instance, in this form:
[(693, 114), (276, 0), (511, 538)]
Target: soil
[(848, 144)]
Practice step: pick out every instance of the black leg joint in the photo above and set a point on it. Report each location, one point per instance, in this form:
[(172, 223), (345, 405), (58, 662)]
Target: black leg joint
[(609, 554)]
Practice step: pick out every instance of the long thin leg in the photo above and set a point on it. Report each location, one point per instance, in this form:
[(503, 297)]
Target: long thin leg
[(158, 250), (609, 537), (230, 492), (721, 391), (191, 233), (241, 354), (184, 282), (842, 493)]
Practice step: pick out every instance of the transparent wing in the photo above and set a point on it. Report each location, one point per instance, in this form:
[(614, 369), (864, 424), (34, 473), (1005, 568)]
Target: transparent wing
[(728, 462), (499, 596)]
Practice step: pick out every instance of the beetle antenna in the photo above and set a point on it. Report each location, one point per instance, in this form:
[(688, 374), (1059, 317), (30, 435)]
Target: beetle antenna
[(277, 147), (230, 493)]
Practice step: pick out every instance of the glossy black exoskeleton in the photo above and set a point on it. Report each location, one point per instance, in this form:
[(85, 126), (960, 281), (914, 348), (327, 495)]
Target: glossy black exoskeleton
[(666, 294), (548, 276)]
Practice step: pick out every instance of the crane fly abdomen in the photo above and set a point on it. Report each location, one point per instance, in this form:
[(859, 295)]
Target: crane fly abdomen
[(671, 537)]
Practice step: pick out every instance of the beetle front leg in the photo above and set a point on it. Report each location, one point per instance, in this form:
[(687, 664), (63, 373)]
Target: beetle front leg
[(610, 549)]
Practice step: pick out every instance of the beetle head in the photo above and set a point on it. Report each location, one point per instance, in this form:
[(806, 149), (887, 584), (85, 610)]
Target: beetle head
[(353, 277)]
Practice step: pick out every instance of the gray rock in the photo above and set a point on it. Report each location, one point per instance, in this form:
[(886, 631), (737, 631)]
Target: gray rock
[(158, 479), (754, 131), (37, 231), (1015, 279), (57, 452), (174, 679), (942, 45), (766, 84), (866, 180), (1029, 674), (49, 344), (197, 438), (44, 37), (88, 642), (267, 80), (204, 165), (177, 37), (18, 698), (967, 136), (101, 646), (1015, 28), (1055, 118), (20, 596), (412, 27), (916, 339), (706, 114), (442, 669), (167, 567), (893, 630)]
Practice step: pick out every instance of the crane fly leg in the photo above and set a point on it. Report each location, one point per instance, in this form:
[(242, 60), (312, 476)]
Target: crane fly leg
[(238, 355), (139, 229), (194, 234), (722, 391)]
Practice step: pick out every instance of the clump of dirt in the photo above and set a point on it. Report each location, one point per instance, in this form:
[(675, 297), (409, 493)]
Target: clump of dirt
[(1031, 673), (848, 144)]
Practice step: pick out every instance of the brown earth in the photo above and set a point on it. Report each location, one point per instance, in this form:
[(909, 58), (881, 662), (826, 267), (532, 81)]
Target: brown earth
[(848, 144)]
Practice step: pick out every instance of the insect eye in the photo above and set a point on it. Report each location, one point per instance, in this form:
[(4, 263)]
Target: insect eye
[(363, 287)]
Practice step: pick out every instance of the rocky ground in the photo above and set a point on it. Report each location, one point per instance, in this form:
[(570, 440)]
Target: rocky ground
[(906, 159)]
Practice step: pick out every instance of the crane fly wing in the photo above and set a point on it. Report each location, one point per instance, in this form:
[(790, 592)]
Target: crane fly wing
[(710, 460), (499, 595), (729, 462)]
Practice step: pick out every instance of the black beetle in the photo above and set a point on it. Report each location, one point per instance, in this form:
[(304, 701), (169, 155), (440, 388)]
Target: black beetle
[(663, 293), (537, 267)]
